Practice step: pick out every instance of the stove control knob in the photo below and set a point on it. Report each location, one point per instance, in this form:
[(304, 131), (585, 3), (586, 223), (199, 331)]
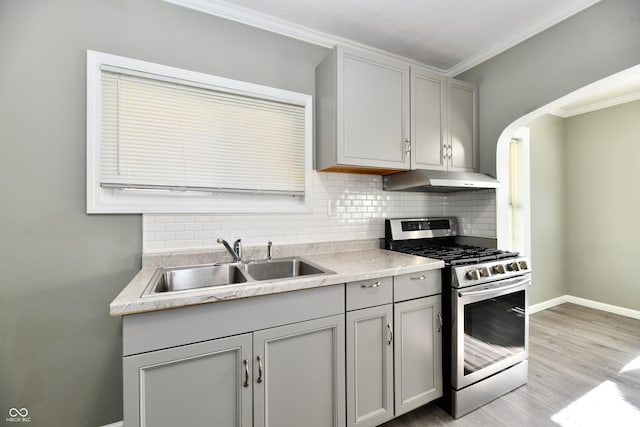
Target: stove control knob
[(498, 269), (484, 272), (523, 265), (513, 266), (473, 274)]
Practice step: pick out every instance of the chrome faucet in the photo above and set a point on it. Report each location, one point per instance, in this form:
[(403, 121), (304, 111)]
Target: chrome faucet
[(269, 250), (237, 248), (236, 252)]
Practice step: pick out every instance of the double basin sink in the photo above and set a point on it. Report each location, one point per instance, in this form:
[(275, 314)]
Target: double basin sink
[(176, 279)]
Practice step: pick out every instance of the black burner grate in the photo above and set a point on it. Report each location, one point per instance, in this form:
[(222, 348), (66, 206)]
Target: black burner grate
[(458, 254)]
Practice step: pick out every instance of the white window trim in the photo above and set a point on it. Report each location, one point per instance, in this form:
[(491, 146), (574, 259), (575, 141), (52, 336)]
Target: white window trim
[(503, 218), (103, 200)]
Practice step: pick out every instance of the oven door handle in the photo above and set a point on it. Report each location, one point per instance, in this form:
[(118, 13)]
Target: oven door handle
[(495, 289)]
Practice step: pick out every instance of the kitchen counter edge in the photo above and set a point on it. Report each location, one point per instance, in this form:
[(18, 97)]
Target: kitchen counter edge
[(348, 267)]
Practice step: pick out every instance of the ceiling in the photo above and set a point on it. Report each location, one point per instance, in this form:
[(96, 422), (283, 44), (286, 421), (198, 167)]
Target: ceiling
[(447, 36), (450, 36)]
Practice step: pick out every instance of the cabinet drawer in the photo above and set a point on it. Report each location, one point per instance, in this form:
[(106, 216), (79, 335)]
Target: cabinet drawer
[(369, 293), (416, 285)]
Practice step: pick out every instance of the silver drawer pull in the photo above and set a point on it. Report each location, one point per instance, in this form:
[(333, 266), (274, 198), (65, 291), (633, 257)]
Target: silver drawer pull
[(246, 373), (370, 285), (260, 370), (419, 277), (390, 334), (440, 321)]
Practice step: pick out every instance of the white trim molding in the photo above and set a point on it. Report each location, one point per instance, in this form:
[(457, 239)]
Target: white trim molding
[(515, 39), (570, 112), (103, 200), (116, 424), (243, 15), (252, 18), (609, 308)]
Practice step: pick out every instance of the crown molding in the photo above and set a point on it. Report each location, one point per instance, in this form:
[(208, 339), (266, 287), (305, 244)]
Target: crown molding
[(511, 41), (285, 28), (232, 12), (570, 112)]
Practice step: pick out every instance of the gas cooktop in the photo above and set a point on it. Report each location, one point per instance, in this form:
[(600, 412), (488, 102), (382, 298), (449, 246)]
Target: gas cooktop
[(458, 254)]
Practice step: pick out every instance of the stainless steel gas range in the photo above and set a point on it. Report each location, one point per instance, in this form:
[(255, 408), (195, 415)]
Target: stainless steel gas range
[(485, 311)]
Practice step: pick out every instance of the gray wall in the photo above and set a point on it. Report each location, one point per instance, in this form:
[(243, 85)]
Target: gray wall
[(593, 44), (547, 183), (584, 206), (603, 205), (60, 350)]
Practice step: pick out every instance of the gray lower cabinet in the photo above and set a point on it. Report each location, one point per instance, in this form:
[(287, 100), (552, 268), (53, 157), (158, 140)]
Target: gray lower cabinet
[(293, 372), (300, 374), (418, 352), (394, 350), (275, 360), (287, 376), (370, 366), (195, 385)]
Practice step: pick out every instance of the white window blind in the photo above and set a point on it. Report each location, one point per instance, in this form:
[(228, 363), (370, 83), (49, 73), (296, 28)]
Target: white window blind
[(516, 205), (158, 134)]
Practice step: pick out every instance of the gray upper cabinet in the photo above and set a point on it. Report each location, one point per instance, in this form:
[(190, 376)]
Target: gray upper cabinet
[(377, 114), (195, 385), (418, 352), (300, 374), (444, 122), (362, 112), (462, 152), (428, 126)]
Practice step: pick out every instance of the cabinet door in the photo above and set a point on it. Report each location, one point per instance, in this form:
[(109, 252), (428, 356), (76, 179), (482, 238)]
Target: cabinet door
[(373, 115), (300, 378), (203, 384), (370, 366), (463, 125), (428, 139), (418, 353)]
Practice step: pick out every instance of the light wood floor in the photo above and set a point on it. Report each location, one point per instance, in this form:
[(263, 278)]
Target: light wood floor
[(581, 374)]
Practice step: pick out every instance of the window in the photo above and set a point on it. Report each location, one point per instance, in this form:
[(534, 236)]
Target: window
[(518, 197), (162, 139)]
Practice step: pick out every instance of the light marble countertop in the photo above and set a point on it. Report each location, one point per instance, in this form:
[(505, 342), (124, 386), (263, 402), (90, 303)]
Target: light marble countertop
[(351, 261)]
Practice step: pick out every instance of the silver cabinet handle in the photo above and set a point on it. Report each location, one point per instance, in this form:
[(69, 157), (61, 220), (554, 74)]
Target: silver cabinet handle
[(390, 334), (260, 370), (246, 373), (370, 285), (407, 143), (441, 322), (419, 277)]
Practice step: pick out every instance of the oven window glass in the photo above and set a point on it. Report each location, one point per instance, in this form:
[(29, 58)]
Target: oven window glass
[(494, 329)]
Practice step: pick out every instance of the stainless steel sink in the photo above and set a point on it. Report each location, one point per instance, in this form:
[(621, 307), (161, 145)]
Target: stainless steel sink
[(177, 279), (185, 278), (281, 268)]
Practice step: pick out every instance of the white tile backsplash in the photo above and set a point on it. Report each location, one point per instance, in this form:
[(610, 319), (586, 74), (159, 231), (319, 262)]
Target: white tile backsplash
[(476, 212), (345, 207)]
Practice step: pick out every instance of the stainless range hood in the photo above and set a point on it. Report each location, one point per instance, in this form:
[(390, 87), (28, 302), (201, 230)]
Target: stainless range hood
[(437, 181)]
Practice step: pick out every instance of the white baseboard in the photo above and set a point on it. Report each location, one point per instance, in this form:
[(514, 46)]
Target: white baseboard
[(548, 304), (116, 424), (622, 311)]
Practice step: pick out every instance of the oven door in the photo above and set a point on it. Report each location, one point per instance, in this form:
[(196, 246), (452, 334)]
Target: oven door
[(490, 329)]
